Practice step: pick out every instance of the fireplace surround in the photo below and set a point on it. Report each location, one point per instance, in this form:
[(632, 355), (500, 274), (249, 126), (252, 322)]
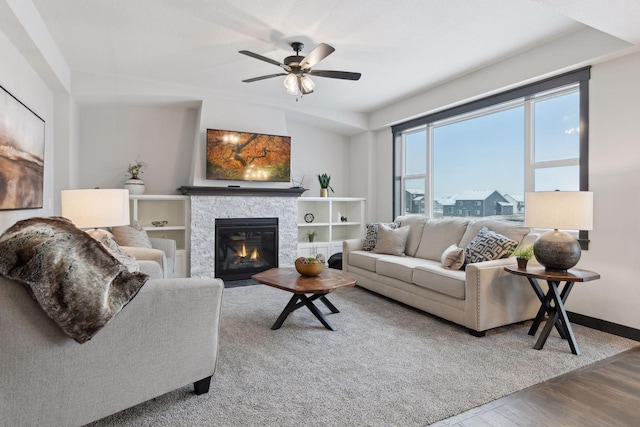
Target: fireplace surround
[(211, 203)]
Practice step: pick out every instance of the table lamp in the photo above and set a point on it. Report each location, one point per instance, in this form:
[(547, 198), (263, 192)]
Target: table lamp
[(95, 208), (559, 210)]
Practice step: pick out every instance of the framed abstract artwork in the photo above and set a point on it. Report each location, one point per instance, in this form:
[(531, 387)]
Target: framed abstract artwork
[(243, 156), (21, 155)]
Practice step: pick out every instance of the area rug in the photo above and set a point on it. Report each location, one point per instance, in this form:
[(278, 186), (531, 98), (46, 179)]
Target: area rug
[(386, 365)]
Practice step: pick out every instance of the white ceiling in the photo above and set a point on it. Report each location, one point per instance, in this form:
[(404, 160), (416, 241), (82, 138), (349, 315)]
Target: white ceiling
[(119, 49)]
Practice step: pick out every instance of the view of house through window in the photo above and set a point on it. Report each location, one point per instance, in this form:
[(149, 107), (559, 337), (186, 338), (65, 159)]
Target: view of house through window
[(481, 163)]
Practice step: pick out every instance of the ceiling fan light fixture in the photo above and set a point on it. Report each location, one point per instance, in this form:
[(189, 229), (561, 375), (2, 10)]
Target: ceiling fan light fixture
[(291, 83), (307, 84)]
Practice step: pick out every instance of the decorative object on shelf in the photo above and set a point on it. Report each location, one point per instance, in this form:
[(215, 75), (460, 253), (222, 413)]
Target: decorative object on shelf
[(96, 208), (523, 255), (310, 266), (324, 180), (134, 184), (159, 223), (559, 210), (343, 219), (311, 235), (308, 218)]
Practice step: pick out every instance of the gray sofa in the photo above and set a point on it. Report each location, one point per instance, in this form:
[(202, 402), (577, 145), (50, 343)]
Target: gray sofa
[(481, 297), (165, 338)]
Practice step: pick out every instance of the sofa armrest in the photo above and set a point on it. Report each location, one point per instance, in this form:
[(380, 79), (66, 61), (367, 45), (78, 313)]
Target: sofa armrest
[(149, 254), (168, 246), (494, 297), (164, 339), (350, 245)]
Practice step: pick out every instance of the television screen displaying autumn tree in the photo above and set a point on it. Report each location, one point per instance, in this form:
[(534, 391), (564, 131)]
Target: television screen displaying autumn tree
[(243, 156)]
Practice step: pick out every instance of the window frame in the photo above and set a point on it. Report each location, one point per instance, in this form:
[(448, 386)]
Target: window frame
[(538, 91)]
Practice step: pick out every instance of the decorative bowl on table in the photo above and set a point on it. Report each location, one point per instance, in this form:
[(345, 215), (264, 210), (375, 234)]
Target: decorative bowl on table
[(159, 223), (310, 266)]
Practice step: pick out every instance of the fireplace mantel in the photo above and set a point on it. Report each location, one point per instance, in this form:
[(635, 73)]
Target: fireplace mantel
[(242, 191)]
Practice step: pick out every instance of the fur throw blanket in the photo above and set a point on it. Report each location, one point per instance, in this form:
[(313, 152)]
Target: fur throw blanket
[(76, 281)]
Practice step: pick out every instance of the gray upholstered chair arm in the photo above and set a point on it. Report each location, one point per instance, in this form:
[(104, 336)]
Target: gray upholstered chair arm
[(168, 246), (149, 254)]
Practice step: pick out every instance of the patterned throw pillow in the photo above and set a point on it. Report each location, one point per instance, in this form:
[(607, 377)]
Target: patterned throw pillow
[(133, 235), (371, 238), (488, 245)]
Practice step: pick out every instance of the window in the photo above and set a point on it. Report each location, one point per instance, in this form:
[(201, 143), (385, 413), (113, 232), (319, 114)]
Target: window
[(480, 158)]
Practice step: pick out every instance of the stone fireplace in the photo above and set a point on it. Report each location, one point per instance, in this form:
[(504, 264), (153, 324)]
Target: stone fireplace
[(211, 203)]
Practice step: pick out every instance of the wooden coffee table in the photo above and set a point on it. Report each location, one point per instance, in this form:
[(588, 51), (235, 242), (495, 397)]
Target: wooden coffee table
[(288, 279)]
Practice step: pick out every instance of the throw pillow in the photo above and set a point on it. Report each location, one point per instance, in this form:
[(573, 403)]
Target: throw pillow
[(391, 240), (132, 235), (371, 238), (120, 254), (488, 245), (453, 258)]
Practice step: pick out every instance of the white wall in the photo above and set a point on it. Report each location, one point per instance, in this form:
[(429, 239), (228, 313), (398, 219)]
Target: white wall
[(111, 137), (19, 78), (614, 177)]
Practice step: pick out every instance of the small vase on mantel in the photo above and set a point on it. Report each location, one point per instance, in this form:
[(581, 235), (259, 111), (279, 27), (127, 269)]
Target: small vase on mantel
[(134, 185)]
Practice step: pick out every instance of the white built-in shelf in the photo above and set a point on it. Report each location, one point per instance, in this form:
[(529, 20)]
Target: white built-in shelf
[(331, 231)]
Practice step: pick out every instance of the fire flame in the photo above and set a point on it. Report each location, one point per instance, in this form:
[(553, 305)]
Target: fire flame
[(243, 253)]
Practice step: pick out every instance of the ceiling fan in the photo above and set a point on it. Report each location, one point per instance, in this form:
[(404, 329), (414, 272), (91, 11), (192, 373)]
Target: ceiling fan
[(298, 68)]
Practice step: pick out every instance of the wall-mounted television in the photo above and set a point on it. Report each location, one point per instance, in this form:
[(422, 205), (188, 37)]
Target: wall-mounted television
[(243, 156)]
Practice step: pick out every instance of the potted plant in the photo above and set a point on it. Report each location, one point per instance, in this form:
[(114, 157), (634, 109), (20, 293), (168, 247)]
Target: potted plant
[(311, 235), (324, 180), (134, 184), (523, 255)]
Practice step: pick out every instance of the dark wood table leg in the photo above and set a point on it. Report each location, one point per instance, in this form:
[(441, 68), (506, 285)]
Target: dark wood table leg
[(558, 318), (321, 317), (544, 306), (290, 307), (329, 305)]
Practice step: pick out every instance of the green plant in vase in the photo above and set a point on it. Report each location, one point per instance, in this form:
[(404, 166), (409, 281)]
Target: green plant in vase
[(324, 181), (523, 255), (311, 235)]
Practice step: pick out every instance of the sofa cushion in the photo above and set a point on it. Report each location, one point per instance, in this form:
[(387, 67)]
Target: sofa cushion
[(513, 231), (400, 268), (488, 245), (434, 277), (438, 235), (365, 260), (132, 235), (416, 227), (453, 258), (371, 238), (391, 241)]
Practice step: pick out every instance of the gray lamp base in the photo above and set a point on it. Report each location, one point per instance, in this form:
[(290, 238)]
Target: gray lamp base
[(557, 250)]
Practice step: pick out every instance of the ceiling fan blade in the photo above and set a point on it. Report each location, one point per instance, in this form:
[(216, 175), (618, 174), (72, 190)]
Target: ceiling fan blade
[(316, 55), (255, 79), (265, 59), (345, 75)]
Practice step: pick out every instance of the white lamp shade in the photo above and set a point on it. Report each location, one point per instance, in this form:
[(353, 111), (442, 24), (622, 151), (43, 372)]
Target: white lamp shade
[(96, 207), (561, 210)]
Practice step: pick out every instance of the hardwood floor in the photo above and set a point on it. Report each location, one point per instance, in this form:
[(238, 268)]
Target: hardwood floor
[(604, 394)]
